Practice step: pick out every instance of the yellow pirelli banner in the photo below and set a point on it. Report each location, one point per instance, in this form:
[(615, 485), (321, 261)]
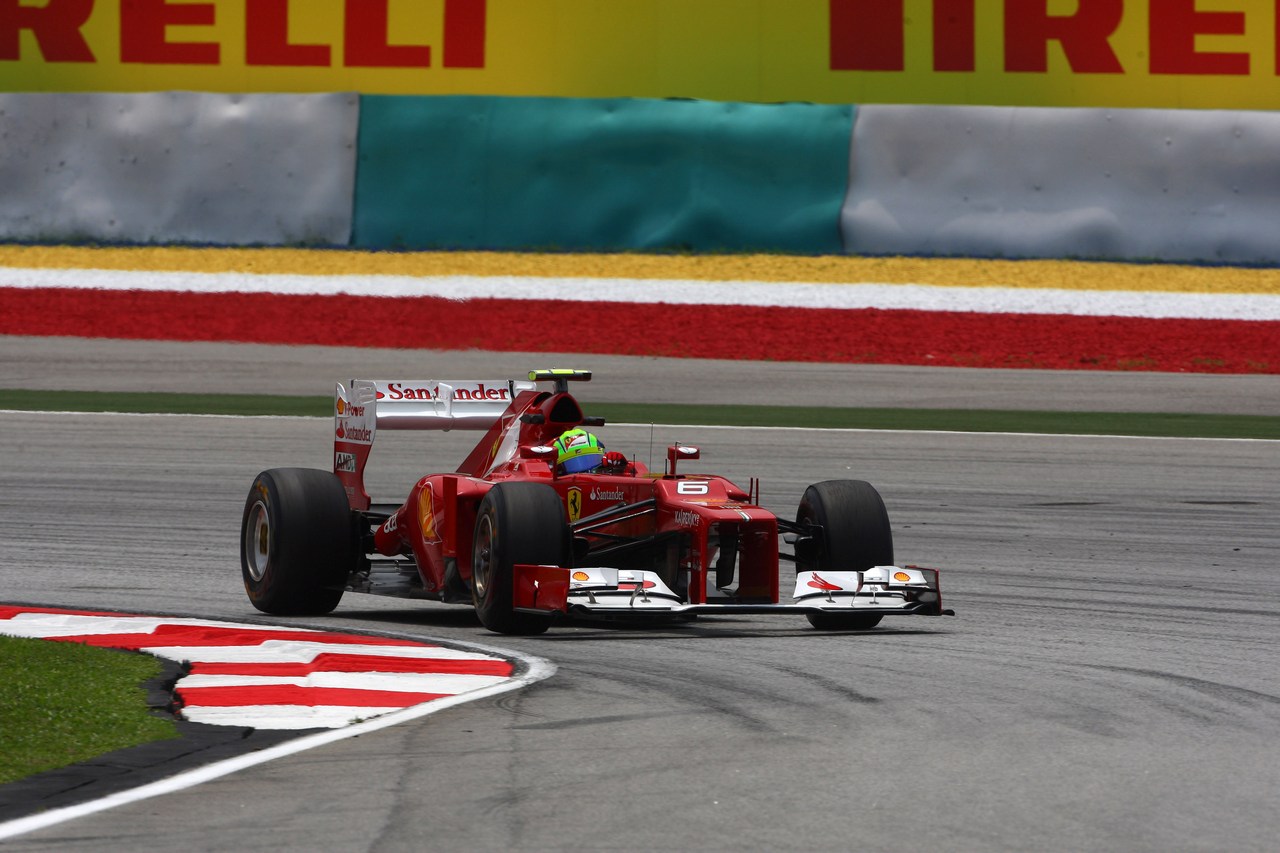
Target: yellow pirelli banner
[(1208, 54)]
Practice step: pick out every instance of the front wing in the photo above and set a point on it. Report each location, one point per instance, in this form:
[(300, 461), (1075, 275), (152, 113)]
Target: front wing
[(885, 590)]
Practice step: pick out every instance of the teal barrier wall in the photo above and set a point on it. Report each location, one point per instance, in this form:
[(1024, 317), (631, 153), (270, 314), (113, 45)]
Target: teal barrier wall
[(617, 174)]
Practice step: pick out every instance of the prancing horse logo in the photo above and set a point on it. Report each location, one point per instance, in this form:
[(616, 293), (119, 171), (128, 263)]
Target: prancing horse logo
[(573, 502)]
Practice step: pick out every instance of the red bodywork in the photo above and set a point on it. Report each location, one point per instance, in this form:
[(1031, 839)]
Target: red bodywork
[(680, 524)]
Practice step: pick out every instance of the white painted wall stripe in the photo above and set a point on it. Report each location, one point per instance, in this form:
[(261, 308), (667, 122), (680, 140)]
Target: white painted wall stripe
[(286, 717), (407, 682), (920, 297), (277, 651)]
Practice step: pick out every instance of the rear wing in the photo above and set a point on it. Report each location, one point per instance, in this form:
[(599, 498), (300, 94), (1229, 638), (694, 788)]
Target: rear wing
[(413, 404)]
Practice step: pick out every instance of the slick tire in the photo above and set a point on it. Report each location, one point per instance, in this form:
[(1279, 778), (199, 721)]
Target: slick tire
[(297, 542), (515, 523), (855, 535)]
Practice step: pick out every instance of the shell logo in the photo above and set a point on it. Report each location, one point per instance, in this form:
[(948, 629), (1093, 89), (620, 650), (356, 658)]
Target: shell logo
[(342, 406), (581, 576), (901, 577)]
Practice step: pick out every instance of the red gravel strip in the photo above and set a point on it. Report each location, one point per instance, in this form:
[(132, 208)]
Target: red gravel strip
[(739, 332)]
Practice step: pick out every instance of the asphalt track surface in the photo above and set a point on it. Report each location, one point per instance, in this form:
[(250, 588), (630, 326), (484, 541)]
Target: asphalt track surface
[(1110, 682)]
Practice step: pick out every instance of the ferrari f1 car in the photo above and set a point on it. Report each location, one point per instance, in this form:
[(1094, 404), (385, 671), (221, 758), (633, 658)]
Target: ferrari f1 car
[(524, 542)]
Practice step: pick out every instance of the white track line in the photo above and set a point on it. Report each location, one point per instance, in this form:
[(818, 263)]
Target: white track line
[(921, 297)]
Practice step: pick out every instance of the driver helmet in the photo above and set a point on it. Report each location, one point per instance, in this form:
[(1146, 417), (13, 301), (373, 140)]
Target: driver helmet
[(578, 450)]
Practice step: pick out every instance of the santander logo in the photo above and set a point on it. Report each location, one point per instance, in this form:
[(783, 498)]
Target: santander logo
[(481, 391), (351, 432)]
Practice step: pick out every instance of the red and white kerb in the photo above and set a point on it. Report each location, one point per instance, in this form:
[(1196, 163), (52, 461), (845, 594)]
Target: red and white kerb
[(274, 678)]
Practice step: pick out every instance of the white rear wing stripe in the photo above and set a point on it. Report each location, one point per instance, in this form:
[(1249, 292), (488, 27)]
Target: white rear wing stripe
[(424, 404)]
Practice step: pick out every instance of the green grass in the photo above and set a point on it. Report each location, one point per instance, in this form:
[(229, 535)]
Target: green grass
[(62, 703), (963, 420)]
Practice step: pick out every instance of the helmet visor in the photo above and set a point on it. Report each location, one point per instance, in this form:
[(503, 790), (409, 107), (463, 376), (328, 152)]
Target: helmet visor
[(585, 462)]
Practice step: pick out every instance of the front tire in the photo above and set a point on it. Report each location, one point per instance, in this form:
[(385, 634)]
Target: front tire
[(854, 535), (297, 542), (516, 523)]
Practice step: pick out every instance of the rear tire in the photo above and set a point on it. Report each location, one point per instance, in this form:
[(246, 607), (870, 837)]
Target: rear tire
[(516, 523), (297, 542), (854, 536)]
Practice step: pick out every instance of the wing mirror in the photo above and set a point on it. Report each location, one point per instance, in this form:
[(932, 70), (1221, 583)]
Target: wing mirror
[(680, 451)]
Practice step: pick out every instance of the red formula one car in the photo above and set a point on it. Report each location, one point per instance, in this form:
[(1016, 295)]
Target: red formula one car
[(535, 525)]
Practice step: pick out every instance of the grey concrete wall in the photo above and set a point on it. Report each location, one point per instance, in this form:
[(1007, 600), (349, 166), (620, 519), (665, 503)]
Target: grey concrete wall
[(187, 167), (178, 167), (1179, 185)]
